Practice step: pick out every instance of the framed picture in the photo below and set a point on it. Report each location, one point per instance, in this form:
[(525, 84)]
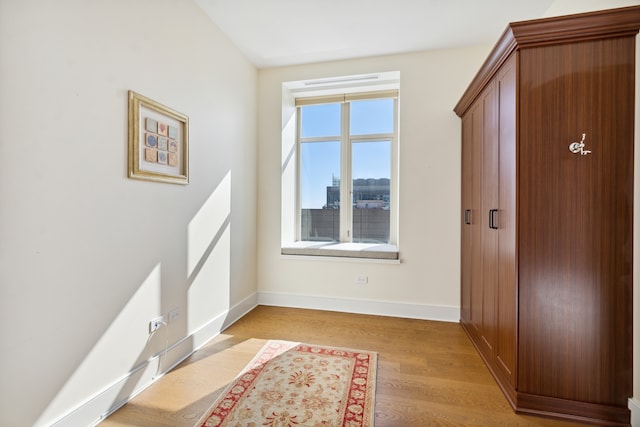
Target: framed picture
[(158, 141)]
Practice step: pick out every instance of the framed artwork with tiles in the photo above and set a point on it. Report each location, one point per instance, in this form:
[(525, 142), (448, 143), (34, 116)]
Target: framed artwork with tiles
[(158, 141)]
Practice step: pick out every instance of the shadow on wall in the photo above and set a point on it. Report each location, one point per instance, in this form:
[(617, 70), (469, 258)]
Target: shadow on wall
[(199, 300)]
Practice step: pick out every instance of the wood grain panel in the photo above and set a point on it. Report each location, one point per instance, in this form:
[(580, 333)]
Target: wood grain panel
[(507, 306), (575, 221), (476, 218), (489, 236), (465, 220)]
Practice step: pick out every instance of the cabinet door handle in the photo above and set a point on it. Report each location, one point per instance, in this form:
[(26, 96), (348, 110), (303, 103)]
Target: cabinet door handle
[(493, 223), (467, 216)]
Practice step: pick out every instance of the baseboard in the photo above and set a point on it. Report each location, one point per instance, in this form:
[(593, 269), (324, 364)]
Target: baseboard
[(361, 306), (634, 406), (104, 403)]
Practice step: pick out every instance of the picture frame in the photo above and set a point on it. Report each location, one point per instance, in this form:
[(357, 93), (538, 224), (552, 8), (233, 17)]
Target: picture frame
[(158, 141)]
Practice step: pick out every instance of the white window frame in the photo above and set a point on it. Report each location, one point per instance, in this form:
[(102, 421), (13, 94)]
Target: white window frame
[(347, 140), (297, 94)]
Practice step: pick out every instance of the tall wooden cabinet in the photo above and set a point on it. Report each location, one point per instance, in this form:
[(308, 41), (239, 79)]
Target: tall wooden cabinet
[(547, 200)]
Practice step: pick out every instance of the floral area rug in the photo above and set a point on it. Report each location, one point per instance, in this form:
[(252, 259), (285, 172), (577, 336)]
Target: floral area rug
[(293, 385)]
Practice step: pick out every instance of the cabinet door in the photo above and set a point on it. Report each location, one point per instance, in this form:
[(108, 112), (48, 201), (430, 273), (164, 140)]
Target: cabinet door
[(476, 285), (466, 244), (575, 232), (506, 344), (489, 217)]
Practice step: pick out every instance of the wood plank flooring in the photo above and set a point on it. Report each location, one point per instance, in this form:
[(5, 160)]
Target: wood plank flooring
[(429, 374)]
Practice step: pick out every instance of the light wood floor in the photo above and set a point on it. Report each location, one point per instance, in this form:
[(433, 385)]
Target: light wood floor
[(429, 374)]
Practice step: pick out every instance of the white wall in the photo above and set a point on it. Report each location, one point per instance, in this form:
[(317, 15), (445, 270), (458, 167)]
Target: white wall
[(88, 256), (426, 282), (568, 7)]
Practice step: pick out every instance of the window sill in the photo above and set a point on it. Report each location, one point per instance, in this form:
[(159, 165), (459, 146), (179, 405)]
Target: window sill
[(346, 250)]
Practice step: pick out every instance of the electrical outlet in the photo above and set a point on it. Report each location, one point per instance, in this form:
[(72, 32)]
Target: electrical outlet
[(155, 323), (174, 314), (361, 280)]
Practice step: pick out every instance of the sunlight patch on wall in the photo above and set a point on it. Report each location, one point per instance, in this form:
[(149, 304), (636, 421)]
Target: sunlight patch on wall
[(206, 224), (209, 258), (125, 343), (209, 292), (289, 163)]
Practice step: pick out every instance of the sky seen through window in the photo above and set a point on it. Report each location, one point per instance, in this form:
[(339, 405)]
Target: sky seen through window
[(320, 161)]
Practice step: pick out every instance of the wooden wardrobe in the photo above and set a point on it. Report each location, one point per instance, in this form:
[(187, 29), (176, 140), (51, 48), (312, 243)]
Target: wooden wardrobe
[(547, 210)]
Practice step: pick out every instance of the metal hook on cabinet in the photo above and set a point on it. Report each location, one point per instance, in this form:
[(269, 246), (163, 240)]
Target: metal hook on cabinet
[(578, 147)]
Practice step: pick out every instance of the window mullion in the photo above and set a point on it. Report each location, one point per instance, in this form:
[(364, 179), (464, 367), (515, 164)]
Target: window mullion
[(319, 139), (372, 137), (346, 204)]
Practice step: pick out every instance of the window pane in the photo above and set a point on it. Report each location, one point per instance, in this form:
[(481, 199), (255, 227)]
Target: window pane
[(374, 116), (371, 168), (320, 120), (320, 191)]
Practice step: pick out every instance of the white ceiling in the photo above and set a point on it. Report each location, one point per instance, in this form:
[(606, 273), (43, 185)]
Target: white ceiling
[(285, 32)]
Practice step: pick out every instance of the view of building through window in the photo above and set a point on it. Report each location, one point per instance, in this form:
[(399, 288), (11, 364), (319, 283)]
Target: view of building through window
[(352, 140)]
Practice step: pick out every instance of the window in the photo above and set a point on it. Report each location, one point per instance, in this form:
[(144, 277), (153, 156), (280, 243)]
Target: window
[(347, 151)]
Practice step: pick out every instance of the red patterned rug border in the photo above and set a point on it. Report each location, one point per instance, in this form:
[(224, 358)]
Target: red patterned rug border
[(361, 390)]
